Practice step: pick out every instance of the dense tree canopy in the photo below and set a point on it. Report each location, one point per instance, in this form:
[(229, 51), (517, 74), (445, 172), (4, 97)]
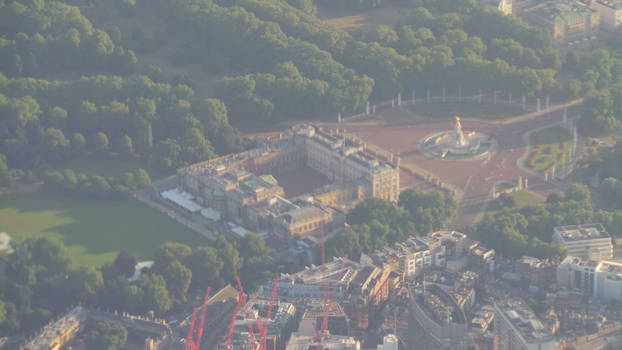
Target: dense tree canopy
[(376, 223)]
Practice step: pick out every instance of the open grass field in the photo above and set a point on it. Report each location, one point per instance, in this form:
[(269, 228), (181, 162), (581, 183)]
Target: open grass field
[(548, 148), (387, 15), (93, 231), (465, 110)]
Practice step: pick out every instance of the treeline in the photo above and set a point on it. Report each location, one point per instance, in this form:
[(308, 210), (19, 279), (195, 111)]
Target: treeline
[(528, 230), (38, 38), (80, 185), (431, 49), (49, 122), (376, 223), (40, 280), (600, 75), (607, 165), (55, 108)]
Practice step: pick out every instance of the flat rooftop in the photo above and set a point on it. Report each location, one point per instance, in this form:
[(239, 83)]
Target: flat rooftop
[(559, 10), (582, 232), (525, 321), (613, 4)]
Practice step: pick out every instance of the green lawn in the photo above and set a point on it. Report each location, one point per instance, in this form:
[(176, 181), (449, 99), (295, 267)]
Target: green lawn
[(504, 186), (548, 148), (522, 198), (465, 110), (94, 231)]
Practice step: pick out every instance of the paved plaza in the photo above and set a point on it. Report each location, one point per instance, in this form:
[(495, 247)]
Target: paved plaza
[(402, 131)]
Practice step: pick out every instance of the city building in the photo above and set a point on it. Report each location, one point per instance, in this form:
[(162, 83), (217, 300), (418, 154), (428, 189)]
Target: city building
[(537, 272), (504, 6), (298, 341), (590, 241), (577, 274), (566, 20), (610, 12), (389, 342), (310, 282), (281, 324), (482, 319), (243, 187), (337, 322), (57, 334), (608, 283), (517, 327), (437, 322)]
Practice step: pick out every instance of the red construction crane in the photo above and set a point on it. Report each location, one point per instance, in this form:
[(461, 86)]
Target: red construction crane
[(202, 324), (248, 322), (189, 342), (264, 327), (324, 328), (235, 316), (320, 333)]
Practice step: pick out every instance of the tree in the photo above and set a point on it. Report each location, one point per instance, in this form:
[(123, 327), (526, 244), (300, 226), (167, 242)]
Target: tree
[(577, 192), (430, 211), (125, 263), (166, 153), (255, 253), (195, 147), (155, 294), (206, 267), (6, 178), (57, 117), (142, 178), (106, 336), (168, 253), (83, 285), (178, 278), (100, 143), (78, 143), (232, 262), (125, 147), (54, 145), (2, 312)]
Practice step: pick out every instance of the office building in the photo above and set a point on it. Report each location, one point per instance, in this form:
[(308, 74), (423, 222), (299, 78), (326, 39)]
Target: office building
[(590, 241)]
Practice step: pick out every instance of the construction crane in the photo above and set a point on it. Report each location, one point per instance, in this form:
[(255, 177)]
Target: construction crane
[(202, 324), (320, 333), (324, 329), (248, 322), (232, 324), (263, 328), (190, 344)]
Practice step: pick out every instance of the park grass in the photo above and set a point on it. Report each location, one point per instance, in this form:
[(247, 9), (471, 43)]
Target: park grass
[(465, 110), (93, 231), (504, 186), (546, 147), (521, 198)]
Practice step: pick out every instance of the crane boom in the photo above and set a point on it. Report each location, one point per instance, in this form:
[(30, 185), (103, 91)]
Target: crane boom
[(232, 324), (264, 330), (189, 341), (202, 323), (248, 322)]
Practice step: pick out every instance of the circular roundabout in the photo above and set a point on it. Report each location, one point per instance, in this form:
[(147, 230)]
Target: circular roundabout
[(456, 144)]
